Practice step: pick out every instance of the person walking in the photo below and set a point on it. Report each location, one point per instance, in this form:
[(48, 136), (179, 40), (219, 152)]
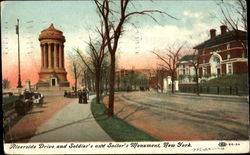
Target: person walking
[(85, 101), (80, 96)]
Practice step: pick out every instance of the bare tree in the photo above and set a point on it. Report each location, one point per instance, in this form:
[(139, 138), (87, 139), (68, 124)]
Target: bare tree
[(234, 14), (5, 83), (95, 66), (76, 69), (105, 74), (170, 60), (195, 62), (235, 17), (97, 53), (113, 22)]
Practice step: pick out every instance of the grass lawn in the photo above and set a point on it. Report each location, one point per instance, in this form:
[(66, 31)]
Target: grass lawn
[(224, 83), (116, 128)]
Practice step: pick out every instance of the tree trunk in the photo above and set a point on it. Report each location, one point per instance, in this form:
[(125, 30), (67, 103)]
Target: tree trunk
[(197, 82), (172, 79), (111, 85), (75, 86), (93, 85), (97, 86), (106, 85), (75, 73)]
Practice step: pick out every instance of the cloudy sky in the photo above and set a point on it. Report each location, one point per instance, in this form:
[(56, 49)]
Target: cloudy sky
[(77, 18)]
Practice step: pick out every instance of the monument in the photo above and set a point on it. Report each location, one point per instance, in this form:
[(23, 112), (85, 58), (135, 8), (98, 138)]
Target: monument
[(52, 73)]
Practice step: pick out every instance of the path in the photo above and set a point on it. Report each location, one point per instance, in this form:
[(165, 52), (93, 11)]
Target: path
[(73, 123), (25, 127)]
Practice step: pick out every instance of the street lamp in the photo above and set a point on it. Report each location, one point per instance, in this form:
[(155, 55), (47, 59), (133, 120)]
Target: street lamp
[(19, 84)]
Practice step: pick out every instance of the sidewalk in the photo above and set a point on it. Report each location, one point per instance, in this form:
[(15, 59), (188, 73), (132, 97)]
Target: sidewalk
[(73, 123)]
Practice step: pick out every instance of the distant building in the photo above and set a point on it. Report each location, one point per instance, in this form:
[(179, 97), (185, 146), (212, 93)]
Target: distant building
[(133, 79), (223, 54), (186, 70)]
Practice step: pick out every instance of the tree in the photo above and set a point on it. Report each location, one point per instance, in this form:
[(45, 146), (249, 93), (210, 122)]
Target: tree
[(234, 16), (75, 68), (113, 22), (6, 83), (170, 60), (104, 74), (95, 66), (97, 53), (195, 62)]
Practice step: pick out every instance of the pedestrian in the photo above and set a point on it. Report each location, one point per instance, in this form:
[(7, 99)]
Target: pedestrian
[(80, 96), (65, 93), (85, 96)]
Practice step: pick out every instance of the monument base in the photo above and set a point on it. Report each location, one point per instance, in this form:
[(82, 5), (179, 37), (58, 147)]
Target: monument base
[(64, 85)]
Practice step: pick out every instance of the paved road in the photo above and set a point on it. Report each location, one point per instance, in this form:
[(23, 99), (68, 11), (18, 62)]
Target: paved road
[(73, 123), (182, 117)]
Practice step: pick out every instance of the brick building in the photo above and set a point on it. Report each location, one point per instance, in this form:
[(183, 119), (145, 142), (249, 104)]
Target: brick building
[(223, 54)]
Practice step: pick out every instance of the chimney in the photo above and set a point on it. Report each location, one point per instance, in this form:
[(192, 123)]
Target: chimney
[(223, 29), (212, 33)]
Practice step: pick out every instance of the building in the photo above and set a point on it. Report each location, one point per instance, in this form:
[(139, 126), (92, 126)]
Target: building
[(133, 79), (223, 54), (52, 73), (186, 69)]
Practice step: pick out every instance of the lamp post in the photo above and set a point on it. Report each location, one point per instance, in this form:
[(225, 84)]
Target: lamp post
[(19, 84)]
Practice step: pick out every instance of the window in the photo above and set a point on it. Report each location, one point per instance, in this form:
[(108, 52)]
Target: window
[(180, 70), (243, 54), (228, 56), (229, 68), (187, 71), (204, 71), (228, 46), (203, 60)]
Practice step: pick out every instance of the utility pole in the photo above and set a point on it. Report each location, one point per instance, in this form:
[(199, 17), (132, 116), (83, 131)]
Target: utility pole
[(19, 84)]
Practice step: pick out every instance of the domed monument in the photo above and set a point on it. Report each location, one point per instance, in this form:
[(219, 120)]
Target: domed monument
[(52, 73)]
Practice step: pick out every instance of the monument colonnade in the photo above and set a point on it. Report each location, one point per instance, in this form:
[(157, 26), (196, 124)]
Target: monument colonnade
[(52, 55)]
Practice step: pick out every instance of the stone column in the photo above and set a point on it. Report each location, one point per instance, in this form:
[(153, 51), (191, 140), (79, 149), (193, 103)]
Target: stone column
[(49, 55), (42, 55), (55, 58), (60, 56), (45, 49)]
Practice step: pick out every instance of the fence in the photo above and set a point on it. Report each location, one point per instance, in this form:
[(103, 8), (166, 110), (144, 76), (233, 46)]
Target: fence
[(219, 90)]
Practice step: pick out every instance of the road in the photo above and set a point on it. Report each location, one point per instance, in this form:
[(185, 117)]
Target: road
[(74, 123), (184, 117)]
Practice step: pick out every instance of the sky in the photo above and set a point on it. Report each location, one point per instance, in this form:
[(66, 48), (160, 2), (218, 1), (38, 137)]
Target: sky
[(77, 20)]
